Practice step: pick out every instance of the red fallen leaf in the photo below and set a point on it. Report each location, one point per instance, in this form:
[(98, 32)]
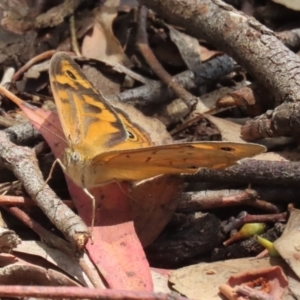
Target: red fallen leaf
[(269, 281), (116, 251), (7, 259)]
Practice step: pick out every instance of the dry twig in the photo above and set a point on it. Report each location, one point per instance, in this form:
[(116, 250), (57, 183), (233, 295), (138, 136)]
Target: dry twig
[(254, 171), (203, 200), (142, 44), (22, 162), (157, 92)]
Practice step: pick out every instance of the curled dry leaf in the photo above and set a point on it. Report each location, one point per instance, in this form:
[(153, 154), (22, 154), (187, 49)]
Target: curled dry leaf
[(271, 281), (202, 281)]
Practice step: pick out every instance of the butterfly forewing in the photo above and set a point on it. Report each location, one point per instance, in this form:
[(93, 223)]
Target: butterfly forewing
[(87, 119)]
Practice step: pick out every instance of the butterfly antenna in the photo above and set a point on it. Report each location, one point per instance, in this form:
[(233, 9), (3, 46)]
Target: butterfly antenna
[(47, 129), (50, 174), (56, 161)]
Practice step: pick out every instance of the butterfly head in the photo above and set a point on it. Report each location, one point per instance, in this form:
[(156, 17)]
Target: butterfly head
[(71, 157), (74, 165)]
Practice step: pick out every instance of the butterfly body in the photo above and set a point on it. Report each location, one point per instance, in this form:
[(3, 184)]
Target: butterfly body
[(104, 145)]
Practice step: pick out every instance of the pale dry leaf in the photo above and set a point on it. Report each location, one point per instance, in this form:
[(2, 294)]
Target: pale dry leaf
[(177, 109), (292, 4), (207, 54), (57, 258), (100, 43), (288, 245), (160, 282), (289, 155), (270, 156), (107, 83), (229, 131), (209, 100), (27, 274), (35, 70), (172, 113), (188, 47)]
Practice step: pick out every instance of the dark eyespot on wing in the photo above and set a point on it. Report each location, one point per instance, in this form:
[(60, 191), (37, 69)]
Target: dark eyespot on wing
[(71, 75), (130, 135), (194, 167), (227, 149), (65, 100)]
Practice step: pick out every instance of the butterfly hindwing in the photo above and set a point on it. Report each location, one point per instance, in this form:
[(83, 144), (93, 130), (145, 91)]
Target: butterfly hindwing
[(143, 163)]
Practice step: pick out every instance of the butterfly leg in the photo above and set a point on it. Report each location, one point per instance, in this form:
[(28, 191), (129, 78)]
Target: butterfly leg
[(50, 173), (93, 209), (84, 189)]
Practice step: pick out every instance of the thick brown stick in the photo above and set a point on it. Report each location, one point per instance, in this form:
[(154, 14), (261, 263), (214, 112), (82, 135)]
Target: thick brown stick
[(251, 44)]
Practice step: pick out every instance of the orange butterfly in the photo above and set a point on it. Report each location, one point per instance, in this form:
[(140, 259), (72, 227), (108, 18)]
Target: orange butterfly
[(105, 145)]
